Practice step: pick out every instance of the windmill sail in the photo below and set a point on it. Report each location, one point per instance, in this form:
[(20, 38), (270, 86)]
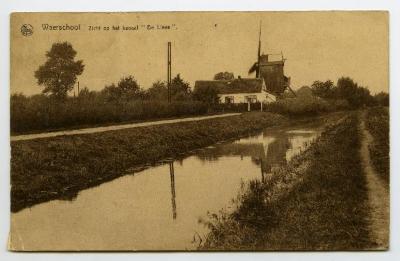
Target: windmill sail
[(255, 67), (258, 54)]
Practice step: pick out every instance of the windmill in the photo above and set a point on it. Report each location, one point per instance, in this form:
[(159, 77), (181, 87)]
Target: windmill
[(271, 71)]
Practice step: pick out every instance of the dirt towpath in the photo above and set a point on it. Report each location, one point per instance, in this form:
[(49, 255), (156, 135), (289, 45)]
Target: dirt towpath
[(114, 127), (378, 193)]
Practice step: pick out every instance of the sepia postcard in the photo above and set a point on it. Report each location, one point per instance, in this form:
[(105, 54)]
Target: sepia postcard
[(199, 131)]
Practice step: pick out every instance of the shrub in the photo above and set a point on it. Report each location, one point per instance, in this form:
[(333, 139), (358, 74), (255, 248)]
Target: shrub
[(299, 106), (338, 104)]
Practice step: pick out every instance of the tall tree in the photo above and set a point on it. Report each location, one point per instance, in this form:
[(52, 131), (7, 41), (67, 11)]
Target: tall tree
[(180, 90), (224, 76), (129, 88), (158, 91), (126, 89), (111, 93), (356, 95), (205, 94), (59, 73), (325, 89)]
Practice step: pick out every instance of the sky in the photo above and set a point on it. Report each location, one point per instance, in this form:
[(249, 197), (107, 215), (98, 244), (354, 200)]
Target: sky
[(317, 46)]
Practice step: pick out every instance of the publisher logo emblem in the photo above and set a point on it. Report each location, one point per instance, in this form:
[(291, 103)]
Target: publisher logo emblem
[(27, 30)]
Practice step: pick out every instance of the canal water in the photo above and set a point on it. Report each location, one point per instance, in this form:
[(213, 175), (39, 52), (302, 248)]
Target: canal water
[(159, 208)]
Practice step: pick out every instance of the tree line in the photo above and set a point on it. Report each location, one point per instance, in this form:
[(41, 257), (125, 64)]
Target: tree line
[(59, 73), (126, 100), (348, 90), (123, 101)]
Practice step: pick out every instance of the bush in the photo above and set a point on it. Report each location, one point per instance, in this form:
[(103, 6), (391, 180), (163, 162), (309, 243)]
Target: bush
[(339, 104), (235, 107), (299, 106), (381, 99)]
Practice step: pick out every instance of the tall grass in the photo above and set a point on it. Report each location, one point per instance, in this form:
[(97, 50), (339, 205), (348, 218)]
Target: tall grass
[(318, 202), (377, 122), (39, 113)]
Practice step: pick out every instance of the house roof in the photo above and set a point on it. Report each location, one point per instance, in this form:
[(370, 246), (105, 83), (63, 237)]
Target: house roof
[(241, 85)]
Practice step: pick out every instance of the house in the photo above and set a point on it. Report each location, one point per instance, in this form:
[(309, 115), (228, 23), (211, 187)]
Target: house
[(240, 90)]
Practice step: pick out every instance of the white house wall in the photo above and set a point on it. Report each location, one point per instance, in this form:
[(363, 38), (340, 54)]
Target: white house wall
[(241, 97)]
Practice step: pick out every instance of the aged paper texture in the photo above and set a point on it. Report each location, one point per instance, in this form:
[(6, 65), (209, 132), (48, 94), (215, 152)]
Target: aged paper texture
[(199, 131)]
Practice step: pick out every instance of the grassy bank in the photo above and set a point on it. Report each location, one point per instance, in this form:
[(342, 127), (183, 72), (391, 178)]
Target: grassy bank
[(377, 122), (317, 202), (45, 169)]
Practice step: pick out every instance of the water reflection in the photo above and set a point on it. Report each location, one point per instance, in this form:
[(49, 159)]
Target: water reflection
[(173, 194), (141, 211), (268, 150)]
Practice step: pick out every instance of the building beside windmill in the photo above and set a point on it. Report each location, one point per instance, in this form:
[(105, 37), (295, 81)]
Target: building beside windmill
[(269, 83), (240, 90)]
